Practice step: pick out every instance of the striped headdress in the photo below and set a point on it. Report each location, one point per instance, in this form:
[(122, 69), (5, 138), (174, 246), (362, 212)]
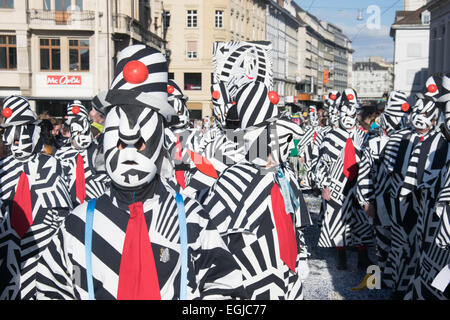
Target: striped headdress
[(140, 79), (17, 111), (178, 100), (395, 112), (255, 104)]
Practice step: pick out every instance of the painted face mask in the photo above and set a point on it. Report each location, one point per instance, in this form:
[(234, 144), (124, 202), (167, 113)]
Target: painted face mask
[(80, 127), (24, 140), (395, 112), (221, 102), (347, 116), (133, 141), (178, 101), (80, 133), (21, 130), (424, 113), (333, 101), (313, 116)]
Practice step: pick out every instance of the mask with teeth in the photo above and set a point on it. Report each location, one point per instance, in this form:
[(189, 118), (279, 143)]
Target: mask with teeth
[(133, 145)]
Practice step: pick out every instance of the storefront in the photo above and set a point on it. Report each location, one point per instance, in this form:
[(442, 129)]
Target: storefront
[(53, 91)]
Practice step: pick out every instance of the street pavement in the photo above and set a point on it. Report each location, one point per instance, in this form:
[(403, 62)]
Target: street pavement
[(325, 282)]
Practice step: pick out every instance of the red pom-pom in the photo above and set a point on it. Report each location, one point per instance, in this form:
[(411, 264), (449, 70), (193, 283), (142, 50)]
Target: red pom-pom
[(311, 110), (76, 110), (216, 94), (234, 102), (135, 72), (333, 97), (170, 89), (432, 88), (273, 97), (405, 107), (7, 112), (350, 97)]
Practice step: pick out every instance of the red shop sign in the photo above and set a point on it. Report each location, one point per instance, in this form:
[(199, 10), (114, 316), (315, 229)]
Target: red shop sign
[(64, 80)]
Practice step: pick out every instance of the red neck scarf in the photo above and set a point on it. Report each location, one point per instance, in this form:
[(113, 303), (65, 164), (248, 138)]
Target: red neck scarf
[(22, 213), (285, 229), (80, 180), (138, 278)]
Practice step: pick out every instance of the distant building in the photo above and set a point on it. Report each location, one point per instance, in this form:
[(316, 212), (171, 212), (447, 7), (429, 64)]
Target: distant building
[(411, 32), (439, 36), (372, 79), (53, 51)]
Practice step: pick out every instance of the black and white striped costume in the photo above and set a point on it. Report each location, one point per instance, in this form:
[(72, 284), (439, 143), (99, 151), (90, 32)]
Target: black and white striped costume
[(403, 214), (309, 146), (240, 206), (50, 204), (96, 182), (212, 271), (34, 200), (344, 222), (392, 118), (424, 172), (136, 231)]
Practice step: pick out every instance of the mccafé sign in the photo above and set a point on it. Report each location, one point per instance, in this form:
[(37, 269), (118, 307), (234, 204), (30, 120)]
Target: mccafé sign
[(64, 80)]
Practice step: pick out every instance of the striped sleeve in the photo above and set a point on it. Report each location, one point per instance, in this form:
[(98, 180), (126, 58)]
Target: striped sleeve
[(365, 190), (217, 273), (443, 234), (55, 273)]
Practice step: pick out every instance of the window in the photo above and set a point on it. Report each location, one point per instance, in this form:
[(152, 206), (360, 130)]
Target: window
[(50, 54), (47, 5), (192, 19), (7, 4), (219, 18), (8, 52), (192, 81), (79, 55), (62, 5), (191, 52)]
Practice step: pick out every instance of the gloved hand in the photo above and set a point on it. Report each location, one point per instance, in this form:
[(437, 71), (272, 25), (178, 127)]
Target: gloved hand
[(303, 269)]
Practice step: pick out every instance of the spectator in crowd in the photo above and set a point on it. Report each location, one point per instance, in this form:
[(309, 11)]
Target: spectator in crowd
[(47, 137)]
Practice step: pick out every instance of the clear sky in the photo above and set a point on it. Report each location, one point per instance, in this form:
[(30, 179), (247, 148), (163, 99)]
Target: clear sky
[(368, 37)]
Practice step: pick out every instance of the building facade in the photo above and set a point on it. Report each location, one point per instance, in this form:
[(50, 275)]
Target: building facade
[(55, 51), (372, 79), (411, 32), (326, 58), (439, 57)]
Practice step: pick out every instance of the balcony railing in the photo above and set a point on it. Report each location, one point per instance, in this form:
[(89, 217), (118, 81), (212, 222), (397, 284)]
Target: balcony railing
[(125, 24), (55, 18)]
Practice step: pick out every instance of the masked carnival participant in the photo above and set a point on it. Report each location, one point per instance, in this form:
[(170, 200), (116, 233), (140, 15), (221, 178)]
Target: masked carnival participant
[(404, 206), (344, 178), (309, 145), (257, 204), (140, 240), (79, 159), (34, 199), (393, 118), (424, 175)]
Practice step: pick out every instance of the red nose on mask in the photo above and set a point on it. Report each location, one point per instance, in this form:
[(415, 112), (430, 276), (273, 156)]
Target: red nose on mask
[(432, 88), (7, 112), (273, 97)]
